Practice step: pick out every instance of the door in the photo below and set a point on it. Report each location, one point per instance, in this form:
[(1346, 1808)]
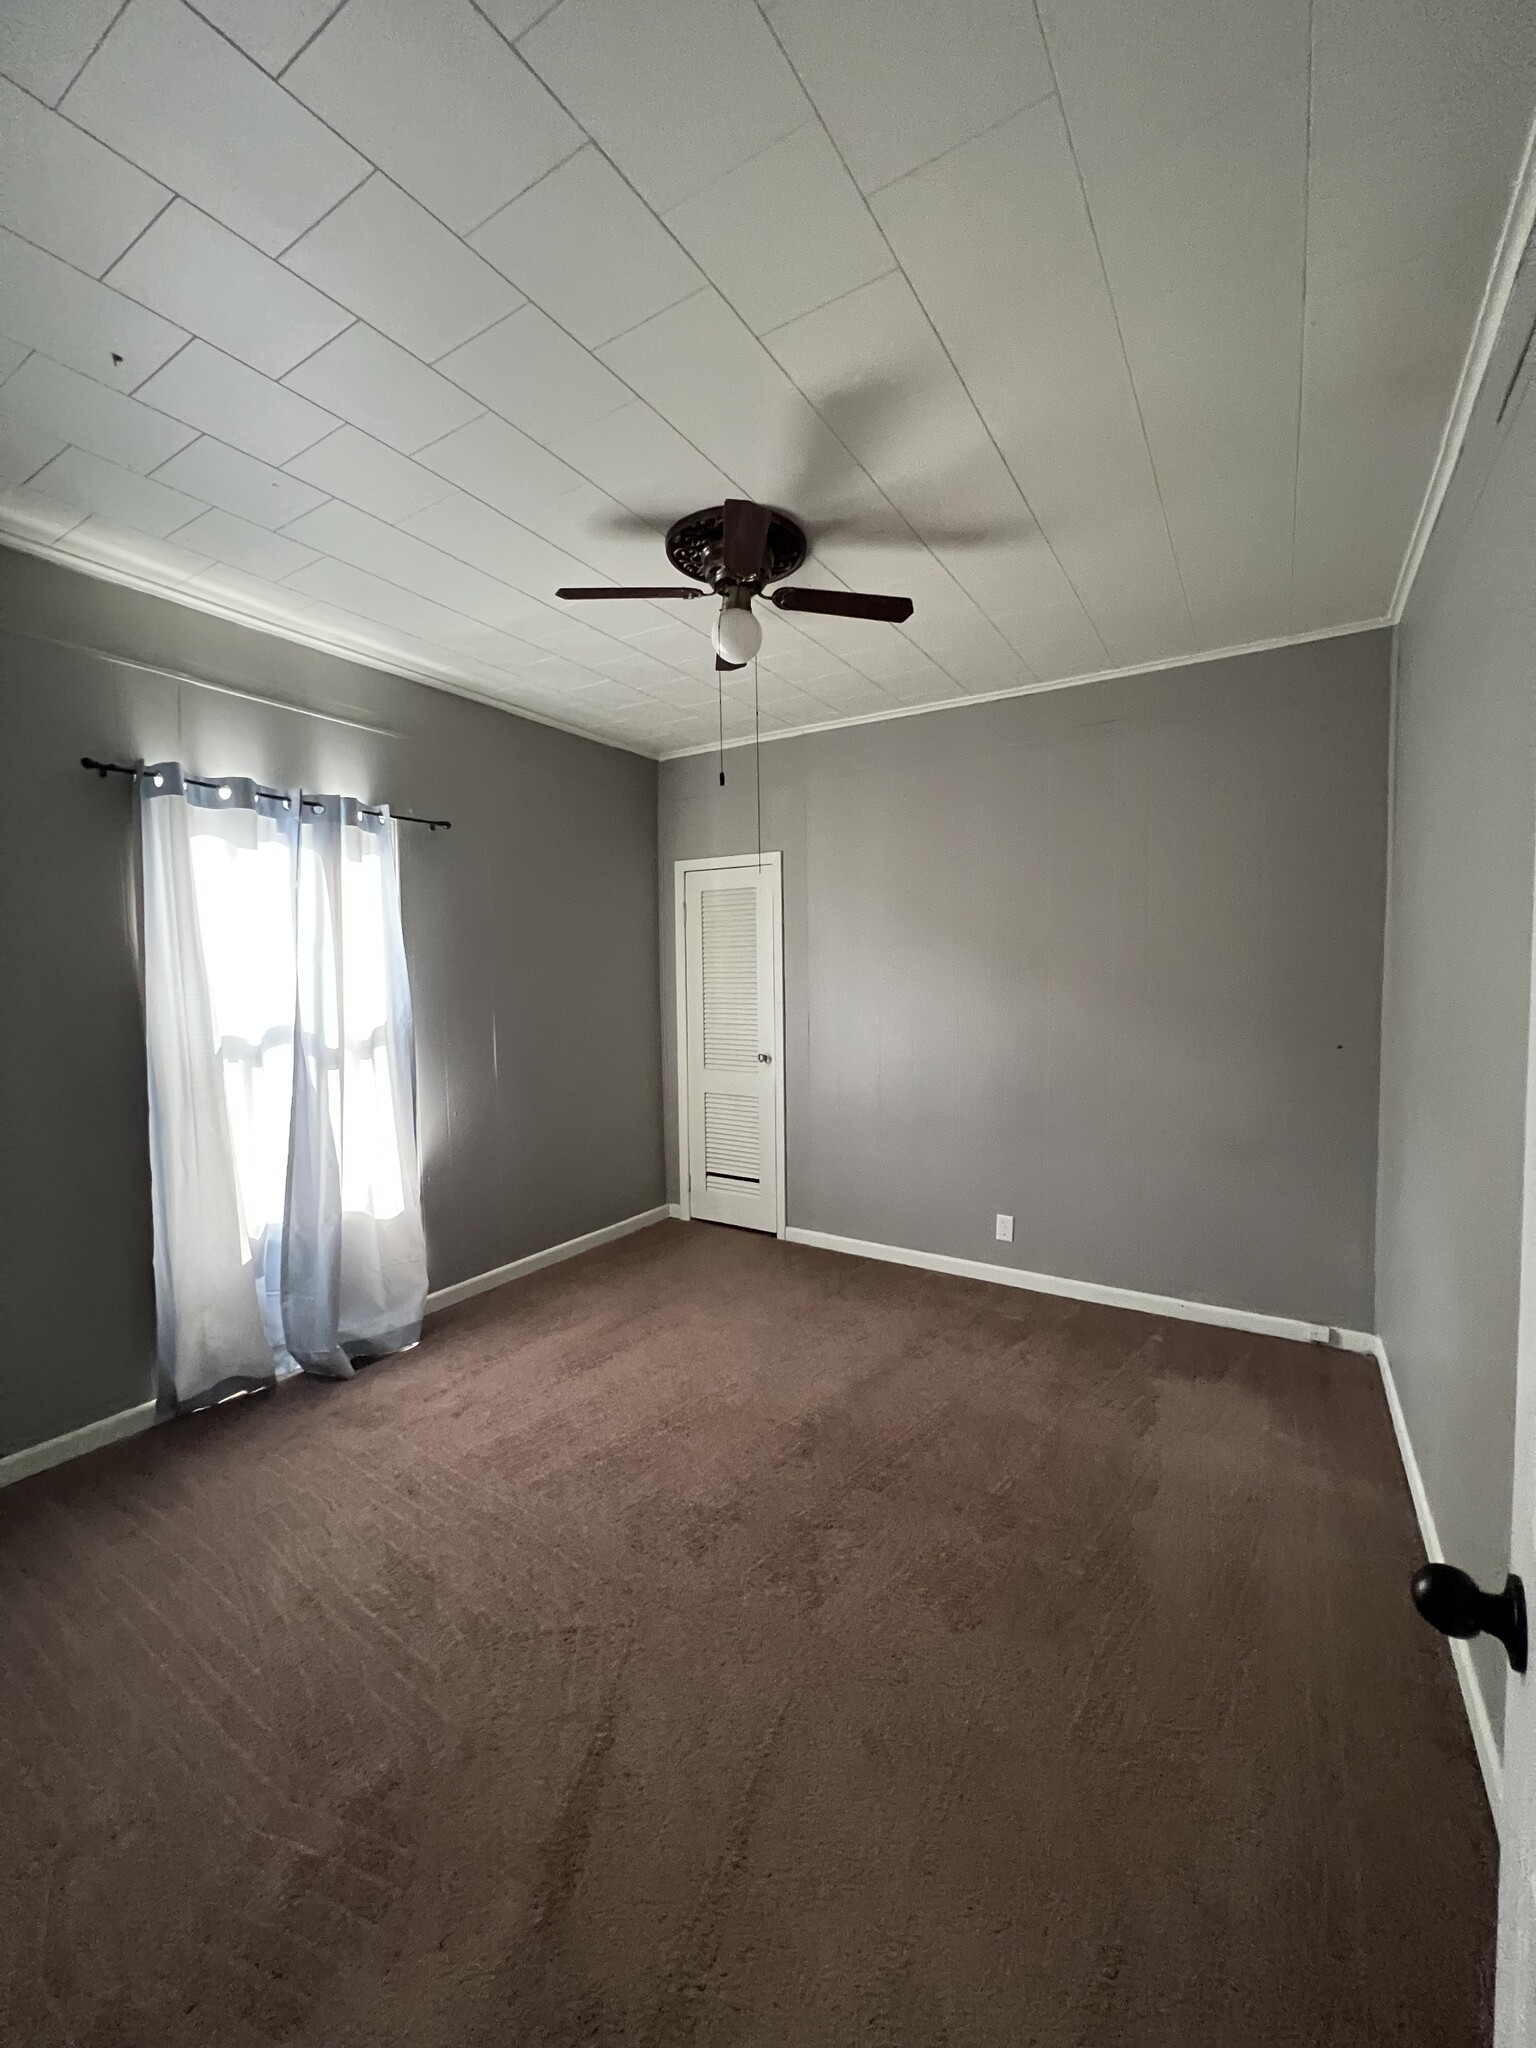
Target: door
[(1515, 2021), (731, 1082)]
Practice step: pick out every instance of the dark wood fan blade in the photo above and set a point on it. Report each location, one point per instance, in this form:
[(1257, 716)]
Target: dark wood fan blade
[(745, 538), (844, 604), (644, 590)]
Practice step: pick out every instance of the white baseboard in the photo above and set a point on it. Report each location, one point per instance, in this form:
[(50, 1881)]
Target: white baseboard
[(445, 1297), (1461, 1653), (75, 1442), (1093, 1290)]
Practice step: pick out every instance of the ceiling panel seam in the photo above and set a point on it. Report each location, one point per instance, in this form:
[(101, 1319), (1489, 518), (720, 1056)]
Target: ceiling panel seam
[(1125, 354), (619, 172), (1013, 114), (90, 53), (1306, 251), (311, 37), (813, 115), (981, 417)]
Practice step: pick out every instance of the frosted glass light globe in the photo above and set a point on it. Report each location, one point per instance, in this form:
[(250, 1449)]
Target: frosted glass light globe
[(737, 635)]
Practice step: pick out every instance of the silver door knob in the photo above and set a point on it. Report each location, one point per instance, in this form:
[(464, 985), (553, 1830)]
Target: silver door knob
[(766, 1058)]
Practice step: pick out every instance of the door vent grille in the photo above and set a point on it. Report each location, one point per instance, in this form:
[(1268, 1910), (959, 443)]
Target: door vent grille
[(731, 1127)]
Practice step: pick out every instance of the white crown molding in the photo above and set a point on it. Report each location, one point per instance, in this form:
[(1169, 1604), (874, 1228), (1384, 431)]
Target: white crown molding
[(296, 636), (1519, 223), (1515, 233), (1035, 689)]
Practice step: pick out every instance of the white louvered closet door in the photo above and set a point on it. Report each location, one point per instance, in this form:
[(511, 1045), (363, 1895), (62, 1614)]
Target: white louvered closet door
[(730, 929)]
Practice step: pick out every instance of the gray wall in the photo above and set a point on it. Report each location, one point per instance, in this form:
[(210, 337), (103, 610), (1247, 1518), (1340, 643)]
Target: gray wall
[(1457, 986), (1106, 957), (531, 931)]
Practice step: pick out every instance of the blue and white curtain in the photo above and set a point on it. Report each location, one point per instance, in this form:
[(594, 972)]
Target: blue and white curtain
[(282, 1116)]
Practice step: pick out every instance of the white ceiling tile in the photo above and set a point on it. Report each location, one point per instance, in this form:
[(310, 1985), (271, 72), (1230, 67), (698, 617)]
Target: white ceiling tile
[(626, 665), (581, 642), (32, 515), (47, 305), (238, 483), (474, 533), (212, 392), (436, 98), (134, 554), (12, 355), (76, 478), (224, 135), (675, 644), (46, 396), (371, 597), (221, 537), (350, 464), (1191, 134), (196, 272), (878, 374), (590, 526), (271, 31), (488, 643), (637, 458), (780, 270), (743, 415), (512, 17), (64, 190), (23, 449), (404, 272), (1419, 117), (621, 618), (900, 81), (585, 247), (533, 374), (43, 43), (999, 249), (375, 384), (676, 95), (558, 674), (493, 461), (401, 557)]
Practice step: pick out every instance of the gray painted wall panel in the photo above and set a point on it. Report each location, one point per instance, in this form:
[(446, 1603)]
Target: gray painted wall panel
[(1457, 987), (531, 930), (1107, 957)]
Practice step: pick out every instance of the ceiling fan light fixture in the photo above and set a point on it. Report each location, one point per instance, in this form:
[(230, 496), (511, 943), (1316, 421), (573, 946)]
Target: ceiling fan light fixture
[(738, 634)]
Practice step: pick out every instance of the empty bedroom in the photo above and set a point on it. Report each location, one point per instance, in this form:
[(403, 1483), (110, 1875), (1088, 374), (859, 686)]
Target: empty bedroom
[(767, 1158)]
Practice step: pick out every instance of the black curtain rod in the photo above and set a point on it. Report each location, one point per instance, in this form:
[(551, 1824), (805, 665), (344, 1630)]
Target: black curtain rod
[(106, 768)]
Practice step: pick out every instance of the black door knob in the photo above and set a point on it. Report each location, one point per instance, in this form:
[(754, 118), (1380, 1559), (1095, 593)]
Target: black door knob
[(1458, 1606)]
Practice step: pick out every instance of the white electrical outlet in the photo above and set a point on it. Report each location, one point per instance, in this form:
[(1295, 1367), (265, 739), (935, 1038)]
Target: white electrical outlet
[(1005, 1229)]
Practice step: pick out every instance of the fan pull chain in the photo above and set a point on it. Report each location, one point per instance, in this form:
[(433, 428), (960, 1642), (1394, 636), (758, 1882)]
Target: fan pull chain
[(720, 694)]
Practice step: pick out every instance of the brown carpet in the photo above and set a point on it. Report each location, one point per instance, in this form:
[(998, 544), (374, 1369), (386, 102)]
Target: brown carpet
[(712, 1640)]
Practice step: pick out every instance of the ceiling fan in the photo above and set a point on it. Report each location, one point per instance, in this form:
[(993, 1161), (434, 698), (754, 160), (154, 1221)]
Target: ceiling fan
[(735, 550)]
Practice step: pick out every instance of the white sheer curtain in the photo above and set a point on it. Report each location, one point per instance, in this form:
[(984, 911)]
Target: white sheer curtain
[(281, 1085)]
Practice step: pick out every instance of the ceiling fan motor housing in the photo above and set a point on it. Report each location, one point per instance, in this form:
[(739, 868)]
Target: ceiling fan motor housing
[(696, 547)]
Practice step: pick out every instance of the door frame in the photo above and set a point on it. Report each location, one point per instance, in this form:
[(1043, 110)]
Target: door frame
[(772, 865)]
